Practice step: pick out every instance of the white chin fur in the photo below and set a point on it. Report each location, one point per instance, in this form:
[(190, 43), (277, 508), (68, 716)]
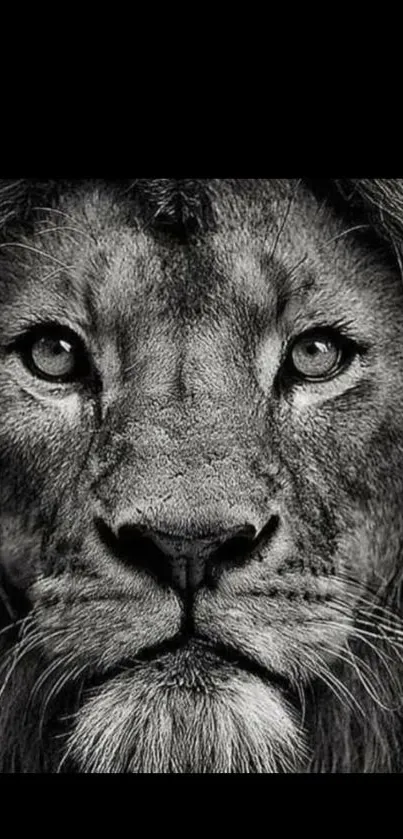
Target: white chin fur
[(175, 715)]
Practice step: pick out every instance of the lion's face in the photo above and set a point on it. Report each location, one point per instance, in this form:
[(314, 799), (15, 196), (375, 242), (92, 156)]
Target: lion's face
[(201, 470)]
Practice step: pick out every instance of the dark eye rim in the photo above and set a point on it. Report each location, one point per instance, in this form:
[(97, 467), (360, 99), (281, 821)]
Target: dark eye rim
[(23, 346), (347, 348)]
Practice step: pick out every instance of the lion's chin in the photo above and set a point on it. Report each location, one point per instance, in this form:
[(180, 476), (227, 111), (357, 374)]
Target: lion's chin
[(185, 712)]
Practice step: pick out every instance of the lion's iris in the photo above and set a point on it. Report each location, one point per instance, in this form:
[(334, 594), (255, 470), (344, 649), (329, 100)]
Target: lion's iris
[(53, 357), (316, 357)]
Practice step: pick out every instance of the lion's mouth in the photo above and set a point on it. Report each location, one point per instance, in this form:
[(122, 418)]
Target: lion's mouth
[(184, 652)]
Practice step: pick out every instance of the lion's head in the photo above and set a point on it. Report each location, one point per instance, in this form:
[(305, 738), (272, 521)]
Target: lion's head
[(201, 474)]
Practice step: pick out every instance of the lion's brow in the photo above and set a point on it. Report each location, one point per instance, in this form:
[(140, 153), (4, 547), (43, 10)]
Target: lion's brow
[(295, 282)]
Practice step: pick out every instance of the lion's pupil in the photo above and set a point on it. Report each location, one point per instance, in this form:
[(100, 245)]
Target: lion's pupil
[(313, 349)]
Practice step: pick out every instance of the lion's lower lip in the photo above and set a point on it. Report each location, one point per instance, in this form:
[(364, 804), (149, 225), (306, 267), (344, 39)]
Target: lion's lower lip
[(200, 650)]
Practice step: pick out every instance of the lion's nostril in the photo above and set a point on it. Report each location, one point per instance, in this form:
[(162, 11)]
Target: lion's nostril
[(180, 561), (236, 550)]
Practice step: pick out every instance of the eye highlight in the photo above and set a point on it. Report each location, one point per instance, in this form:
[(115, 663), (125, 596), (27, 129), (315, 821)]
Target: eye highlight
[(319, 355), (54, 353)]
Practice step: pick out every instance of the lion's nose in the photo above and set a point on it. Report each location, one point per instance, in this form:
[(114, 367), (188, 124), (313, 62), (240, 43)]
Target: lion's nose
[(190, 563), (182, 562)]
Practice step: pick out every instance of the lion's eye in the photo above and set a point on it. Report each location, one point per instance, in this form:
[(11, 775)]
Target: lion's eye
[(55, 354), (318, 356), (53, 357)]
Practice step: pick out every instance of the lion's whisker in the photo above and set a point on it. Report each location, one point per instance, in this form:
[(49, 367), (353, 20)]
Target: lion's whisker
[(36, 251)]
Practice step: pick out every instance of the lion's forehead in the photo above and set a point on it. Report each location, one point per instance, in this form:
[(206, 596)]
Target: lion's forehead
[(202, 322), (270, 250), (208, 315)]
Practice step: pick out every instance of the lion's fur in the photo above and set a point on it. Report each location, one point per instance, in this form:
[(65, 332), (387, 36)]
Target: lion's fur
[(321, 620)]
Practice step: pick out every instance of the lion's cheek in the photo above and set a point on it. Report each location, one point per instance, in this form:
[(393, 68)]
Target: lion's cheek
[(96, 627), (43, 447), (290, 639)]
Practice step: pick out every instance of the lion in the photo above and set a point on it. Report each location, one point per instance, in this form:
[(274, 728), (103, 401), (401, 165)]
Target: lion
[(201, 476)]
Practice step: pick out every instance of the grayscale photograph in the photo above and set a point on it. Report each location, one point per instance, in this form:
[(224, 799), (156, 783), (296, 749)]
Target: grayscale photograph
[(201, 476)]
